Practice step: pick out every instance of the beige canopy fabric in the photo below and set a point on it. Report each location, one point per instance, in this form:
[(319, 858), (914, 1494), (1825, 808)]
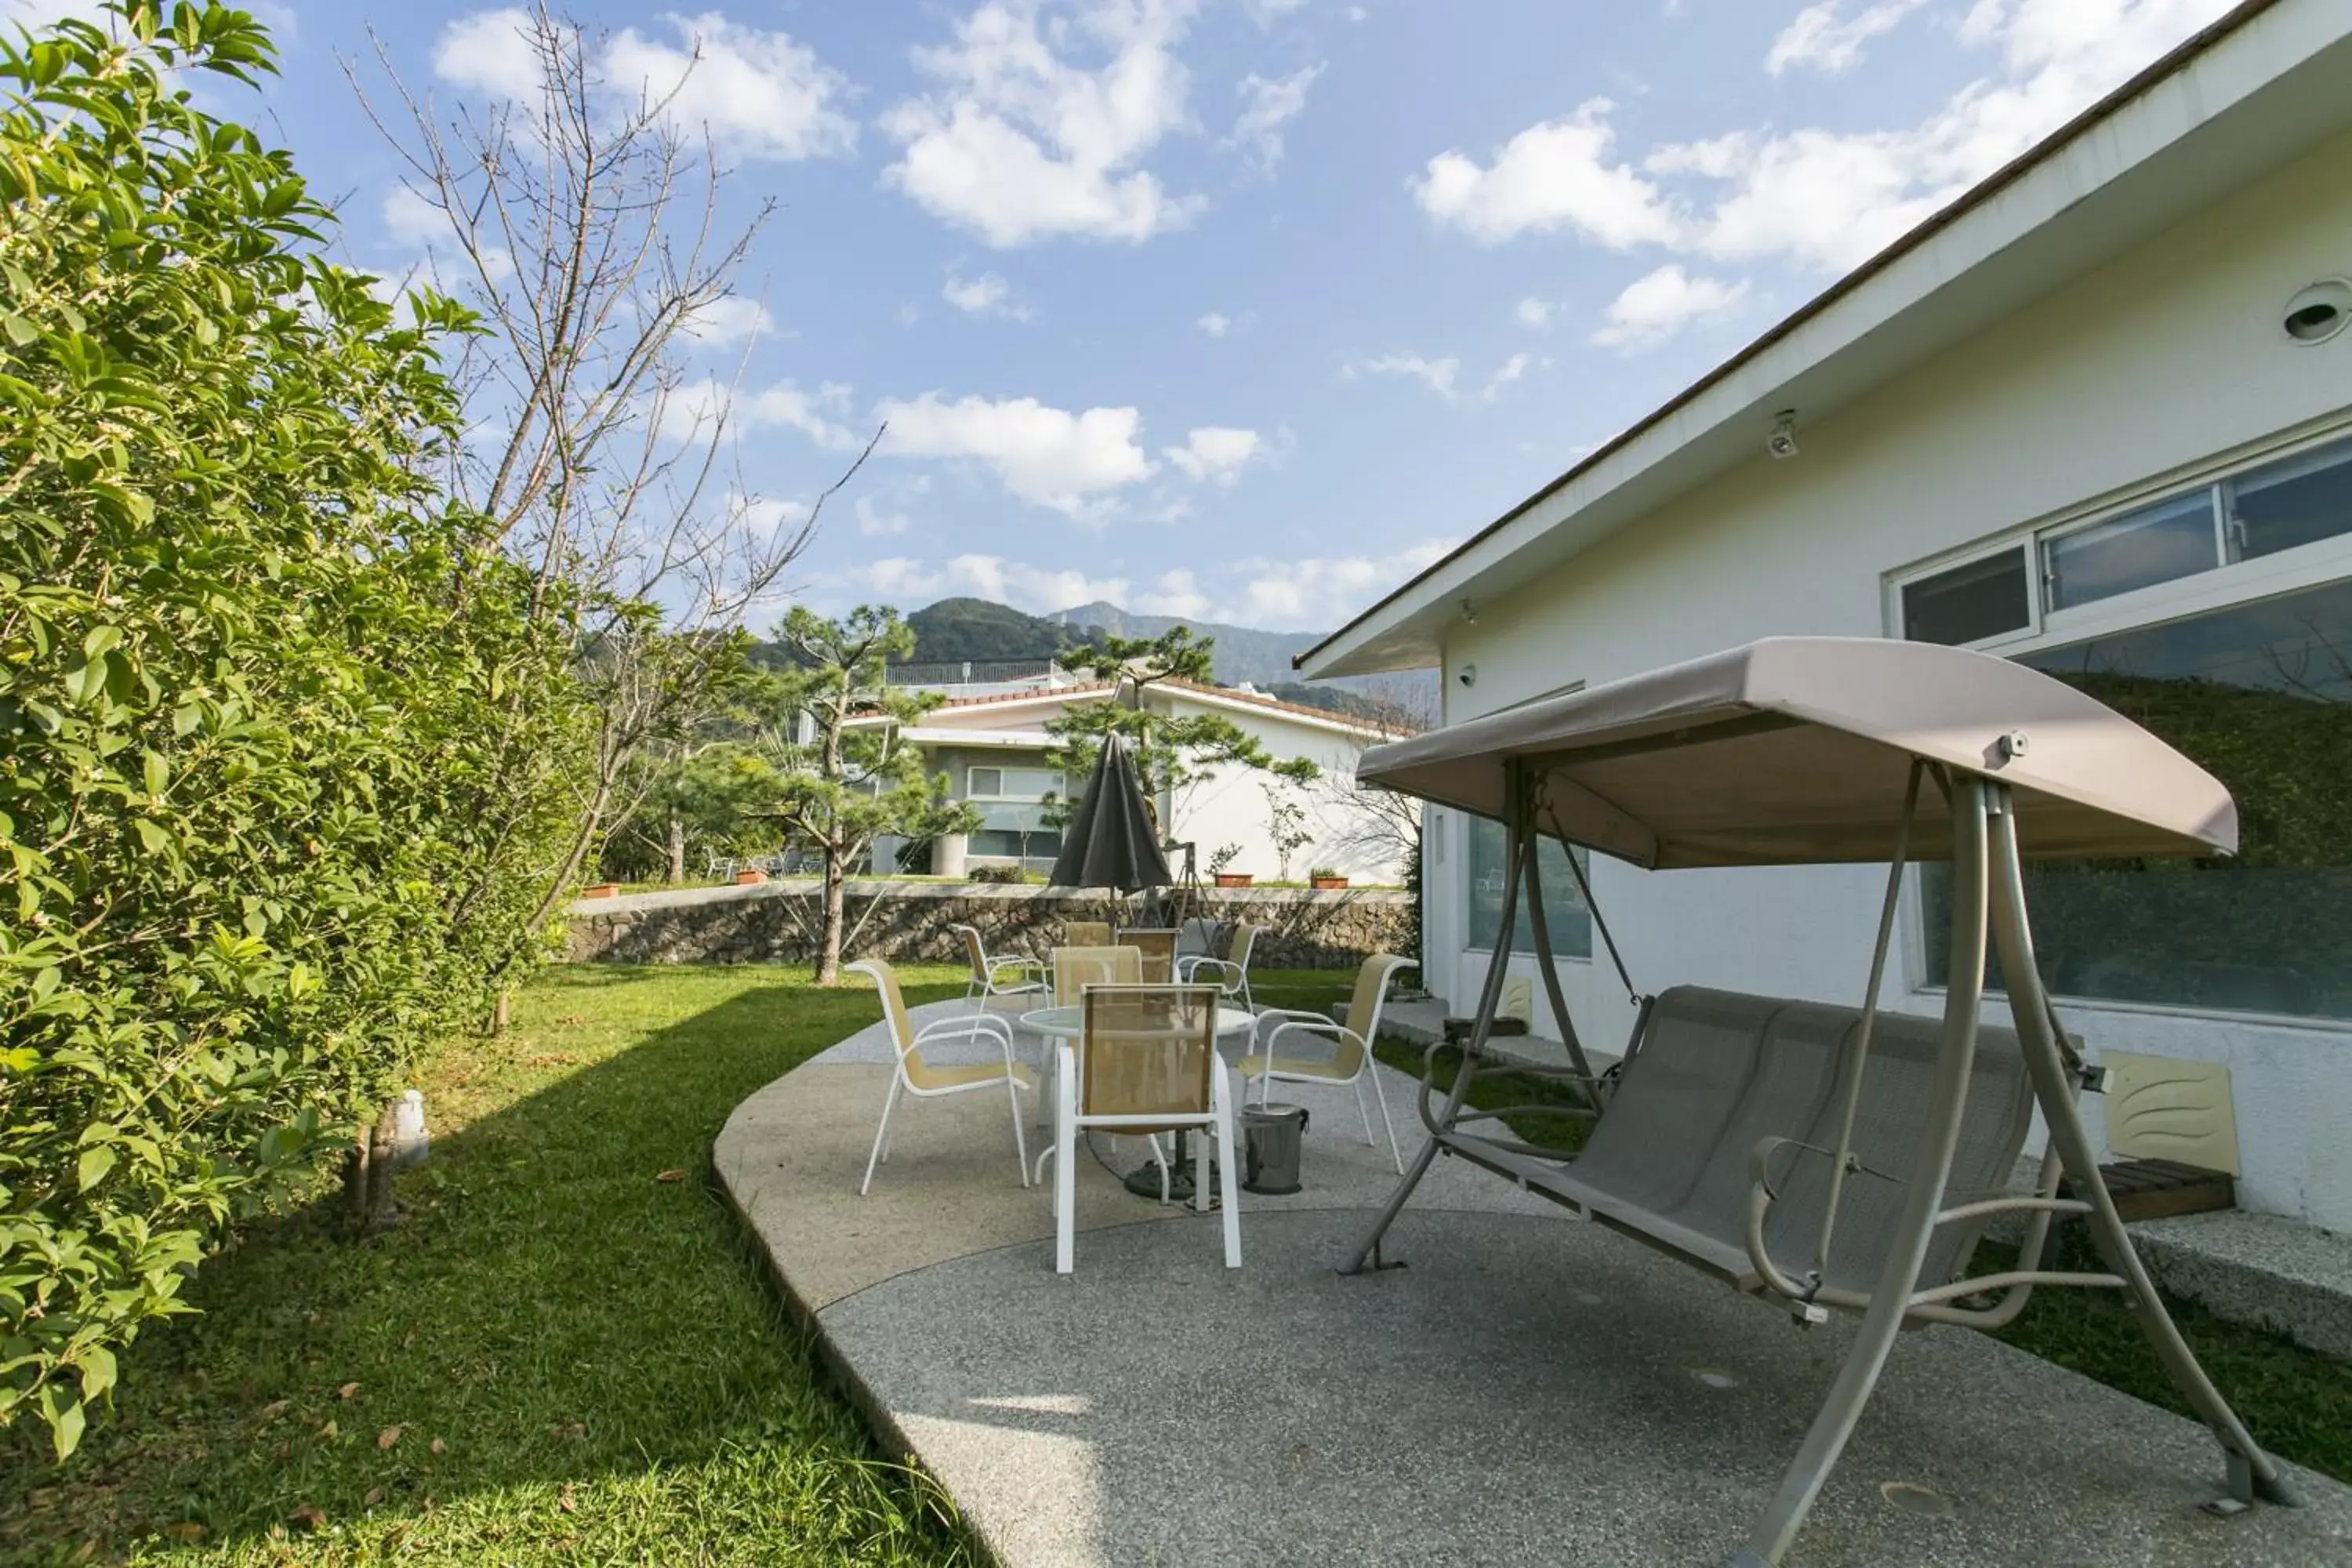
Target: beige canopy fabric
[(1798, 751)]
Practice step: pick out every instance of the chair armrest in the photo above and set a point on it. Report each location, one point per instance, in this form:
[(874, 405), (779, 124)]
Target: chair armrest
[(1304, 1014), (967, 1024), (1312, 1025)]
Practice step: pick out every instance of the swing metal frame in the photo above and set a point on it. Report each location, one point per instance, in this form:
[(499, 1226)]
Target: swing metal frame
[(1988, 913)]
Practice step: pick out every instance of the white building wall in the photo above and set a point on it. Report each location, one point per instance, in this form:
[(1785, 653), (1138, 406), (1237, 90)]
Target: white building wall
[(2165, 360), (1229, 806)]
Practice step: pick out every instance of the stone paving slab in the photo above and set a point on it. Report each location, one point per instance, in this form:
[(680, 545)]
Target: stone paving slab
[(1529, 1389)]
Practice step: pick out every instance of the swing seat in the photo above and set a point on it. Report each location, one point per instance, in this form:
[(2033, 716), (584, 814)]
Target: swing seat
[(1671, 1162)]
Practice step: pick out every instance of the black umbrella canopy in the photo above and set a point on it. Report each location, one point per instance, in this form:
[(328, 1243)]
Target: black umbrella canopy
[(1110, 842)]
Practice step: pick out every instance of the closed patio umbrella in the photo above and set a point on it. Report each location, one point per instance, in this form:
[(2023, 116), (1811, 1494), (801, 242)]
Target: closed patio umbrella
[(1111, 843)]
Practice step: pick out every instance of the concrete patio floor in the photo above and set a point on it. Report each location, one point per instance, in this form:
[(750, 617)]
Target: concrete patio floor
[(1529, 1389)]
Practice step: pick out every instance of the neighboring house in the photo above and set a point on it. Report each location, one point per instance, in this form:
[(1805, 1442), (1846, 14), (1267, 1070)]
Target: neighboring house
[(2095, 415), (992, 749)]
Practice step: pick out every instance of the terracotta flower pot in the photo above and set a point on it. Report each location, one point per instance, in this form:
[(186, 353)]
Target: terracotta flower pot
[(1233, 879), (1327, 884), (600, 890), (745, 879)]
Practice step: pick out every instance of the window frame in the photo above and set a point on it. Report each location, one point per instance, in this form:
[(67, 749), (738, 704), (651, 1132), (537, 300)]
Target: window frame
[(2232, 582)]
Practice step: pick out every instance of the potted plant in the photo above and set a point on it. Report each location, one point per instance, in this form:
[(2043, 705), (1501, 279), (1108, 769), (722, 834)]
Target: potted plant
[(1226, 854), (745, 879), (600, 890), (1324, 879)]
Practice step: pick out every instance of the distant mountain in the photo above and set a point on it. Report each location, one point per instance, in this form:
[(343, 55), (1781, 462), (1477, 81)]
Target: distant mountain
[(1242, 653), (980, 629)]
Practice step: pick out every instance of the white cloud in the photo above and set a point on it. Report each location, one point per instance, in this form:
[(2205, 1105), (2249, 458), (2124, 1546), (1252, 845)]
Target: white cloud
[(1269, 104), (1266, 13), (491, 52), (1018, 144), (1534, 312), (1072, 463), (1443, 376), (695, 410), (1216, 453), (986, 295), (1318, 592), (1653, 308), (1820, 198), (874, 522), (1438, 375), (1216, 323), (415, 224), (731, 319), (1176, 592), (1557, 174), (759, 94), (1819, 37)]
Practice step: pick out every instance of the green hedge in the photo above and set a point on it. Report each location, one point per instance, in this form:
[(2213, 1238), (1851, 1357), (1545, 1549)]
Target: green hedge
[(262, 692)]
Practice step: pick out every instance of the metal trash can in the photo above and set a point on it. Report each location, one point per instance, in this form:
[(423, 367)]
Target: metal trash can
[(1271, 1137)]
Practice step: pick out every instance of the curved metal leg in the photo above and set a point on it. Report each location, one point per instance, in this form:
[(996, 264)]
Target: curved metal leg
[(2250, 1472), (1833, 1426), (1490, 997)]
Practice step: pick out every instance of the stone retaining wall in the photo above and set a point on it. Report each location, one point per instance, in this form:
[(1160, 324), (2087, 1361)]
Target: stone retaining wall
[(776, 923)]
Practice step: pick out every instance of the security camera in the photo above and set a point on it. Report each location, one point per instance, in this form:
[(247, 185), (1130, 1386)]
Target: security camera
[(1469, 675), (1782, 442)]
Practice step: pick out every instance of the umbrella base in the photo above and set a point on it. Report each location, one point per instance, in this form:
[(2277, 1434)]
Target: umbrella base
[(1144, 1182)]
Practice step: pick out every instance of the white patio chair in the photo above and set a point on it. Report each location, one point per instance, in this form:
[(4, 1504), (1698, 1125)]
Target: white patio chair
[(1146, 1063), (1351, 1056), (913, 1075), (992, 977), (1230, 973), (1086, 934), (1075, 968)]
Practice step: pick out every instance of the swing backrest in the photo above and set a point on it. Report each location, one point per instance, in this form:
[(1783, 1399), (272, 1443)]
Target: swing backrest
[(1718, 1071)]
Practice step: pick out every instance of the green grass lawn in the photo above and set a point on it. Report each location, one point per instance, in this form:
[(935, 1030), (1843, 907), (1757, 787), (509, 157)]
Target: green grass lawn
[(569, 1354)]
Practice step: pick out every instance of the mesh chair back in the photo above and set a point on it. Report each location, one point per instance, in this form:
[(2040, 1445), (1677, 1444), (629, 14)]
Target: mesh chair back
[(1197, 938), (894, 1007), (1086, 934), (1238, 955), (1158, 946), (974, 952), (1364, 1007), (1148, 1050), (1075, 968)]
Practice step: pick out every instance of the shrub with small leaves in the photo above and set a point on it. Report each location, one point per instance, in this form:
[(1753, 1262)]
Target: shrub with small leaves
[(258, 685)]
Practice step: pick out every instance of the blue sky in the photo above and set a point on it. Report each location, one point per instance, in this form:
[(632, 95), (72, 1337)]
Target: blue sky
[(1243, 309)]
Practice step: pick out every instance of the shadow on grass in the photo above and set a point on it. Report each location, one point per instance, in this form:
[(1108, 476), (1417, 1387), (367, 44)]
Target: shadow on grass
[(568, 1352)]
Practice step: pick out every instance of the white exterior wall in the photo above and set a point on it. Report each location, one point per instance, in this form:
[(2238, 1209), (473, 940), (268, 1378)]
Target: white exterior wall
[(1229, 804), (2161, 361)]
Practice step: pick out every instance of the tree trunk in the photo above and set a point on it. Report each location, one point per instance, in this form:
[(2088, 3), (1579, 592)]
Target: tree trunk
[(367, 1179), (677, 850), (828, 944)]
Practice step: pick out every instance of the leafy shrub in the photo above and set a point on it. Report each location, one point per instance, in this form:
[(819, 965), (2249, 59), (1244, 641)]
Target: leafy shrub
[(997, 874), (260, 693)]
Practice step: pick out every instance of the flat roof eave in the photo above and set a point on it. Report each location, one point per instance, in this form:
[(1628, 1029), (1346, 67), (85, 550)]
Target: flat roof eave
[(2181, 134)]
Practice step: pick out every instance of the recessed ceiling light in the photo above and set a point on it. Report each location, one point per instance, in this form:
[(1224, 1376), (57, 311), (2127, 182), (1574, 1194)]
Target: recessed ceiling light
[(2319, 313)]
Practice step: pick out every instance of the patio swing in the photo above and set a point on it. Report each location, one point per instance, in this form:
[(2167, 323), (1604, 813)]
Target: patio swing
[(1827, 1157)]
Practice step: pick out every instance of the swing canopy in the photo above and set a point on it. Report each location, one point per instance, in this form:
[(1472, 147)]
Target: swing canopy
[(1797, 750)]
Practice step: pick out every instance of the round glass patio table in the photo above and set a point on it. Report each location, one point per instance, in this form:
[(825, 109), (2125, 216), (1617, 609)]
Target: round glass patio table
[(1070, 1023)]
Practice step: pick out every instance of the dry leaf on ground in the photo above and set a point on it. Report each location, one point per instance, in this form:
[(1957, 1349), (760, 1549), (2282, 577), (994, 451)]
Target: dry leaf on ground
[(671, 1175), (374, 1496), (348, 1391), (438, 1444), (311, 1518), (566, 1501), (389, 1436), (187, 1530)]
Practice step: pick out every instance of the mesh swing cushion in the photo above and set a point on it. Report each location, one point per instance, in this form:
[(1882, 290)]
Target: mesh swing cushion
[(1719, 1071)]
